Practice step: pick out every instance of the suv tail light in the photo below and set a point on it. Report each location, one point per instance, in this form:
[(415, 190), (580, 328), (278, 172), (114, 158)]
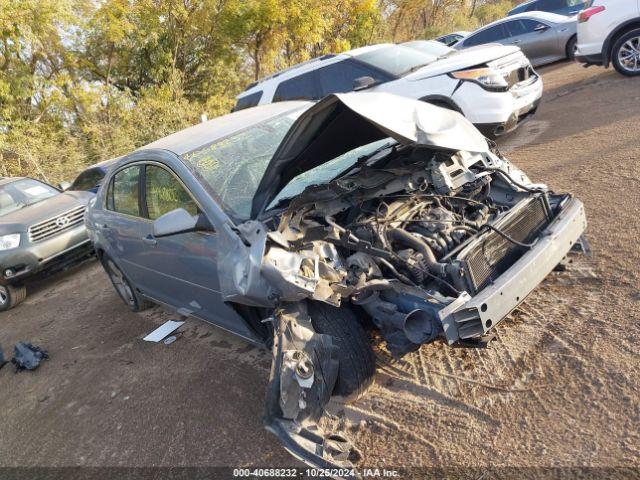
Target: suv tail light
[(587, 13)]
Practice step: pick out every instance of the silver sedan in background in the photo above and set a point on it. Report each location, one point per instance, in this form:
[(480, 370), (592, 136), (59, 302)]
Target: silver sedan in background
[(543, 37)]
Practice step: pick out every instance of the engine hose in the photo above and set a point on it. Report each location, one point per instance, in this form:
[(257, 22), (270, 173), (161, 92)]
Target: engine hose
[(508, 178), (392, 269), (404, 237)]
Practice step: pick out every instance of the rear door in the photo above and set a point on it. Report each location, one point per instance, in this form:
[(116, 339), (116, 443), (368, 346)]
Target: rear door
[(122, 224), (538, 40)]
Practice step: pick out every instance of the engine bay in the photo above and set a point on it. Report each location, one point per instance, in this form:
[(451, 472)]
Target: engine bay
[(404, 235)]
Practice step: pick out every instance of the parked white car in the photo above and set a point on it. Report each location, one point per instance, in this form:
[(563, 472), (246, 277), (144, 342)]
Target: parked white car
[(495, 86), (609, 32)]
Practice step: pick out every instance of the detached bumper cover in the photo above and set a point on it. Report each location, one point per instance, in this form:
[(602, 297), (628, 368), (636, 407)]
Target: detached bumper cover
[(489, 307)]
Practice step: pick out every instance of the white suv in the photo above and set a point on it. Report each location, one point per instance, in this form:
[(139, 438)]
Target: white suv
[(609, 32), (494, 86)]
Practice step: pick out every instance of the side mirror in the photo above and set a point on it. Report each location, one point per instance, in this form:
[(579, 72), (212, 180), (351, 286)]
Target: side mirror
[(180, 221), (362, 83), (64, 186)]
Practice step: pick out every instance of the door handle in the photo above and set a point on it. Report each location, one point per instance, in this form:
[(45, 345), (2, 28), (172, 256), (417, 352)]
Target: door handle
[(516, 42), (149, 240)]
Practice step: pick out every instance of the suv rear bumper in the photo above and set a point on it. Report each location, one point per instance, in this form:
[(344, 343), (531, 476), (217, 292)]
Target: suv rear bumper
[(490, 306), (43, 258)]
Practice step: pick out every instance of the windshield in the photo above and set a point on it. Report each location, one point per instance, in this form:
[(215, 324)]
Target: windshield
[(328, 171), (22, 193), (234, 165), (397, 60), (428, 47)]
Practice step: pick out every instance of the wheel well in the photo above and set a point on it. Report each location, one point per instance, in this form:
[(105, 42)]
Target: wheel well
[(615, 35), (571, 39), (99, 253)]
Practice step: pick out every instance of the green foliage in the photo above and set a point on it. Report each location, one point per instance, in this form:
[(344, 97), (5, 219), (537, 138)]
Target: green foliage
[(84, 80)]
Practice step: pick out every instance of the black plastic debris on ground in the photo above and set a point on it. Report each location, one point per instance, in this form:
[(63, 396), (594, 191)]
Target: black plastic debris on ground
[(2, 360), (27, 356)]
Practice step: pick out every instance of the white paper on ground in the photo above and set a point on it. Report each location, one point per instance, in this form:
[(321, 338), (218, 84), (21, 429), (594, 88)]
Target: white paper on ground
[(162, 331)]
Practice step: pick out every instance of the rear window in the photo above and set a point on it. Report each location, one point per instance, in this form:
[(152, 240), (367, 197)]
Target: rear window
[(248, 101)]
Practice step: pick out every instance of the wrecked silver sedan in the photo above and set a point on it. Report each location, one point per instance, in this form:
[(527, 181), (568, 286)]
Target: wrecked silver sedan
[(305, 227)]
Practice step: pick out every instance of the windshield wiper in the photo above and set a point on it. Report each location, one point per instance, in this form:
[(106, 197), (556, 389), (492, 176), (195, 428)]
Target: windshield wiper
[(418, 67)]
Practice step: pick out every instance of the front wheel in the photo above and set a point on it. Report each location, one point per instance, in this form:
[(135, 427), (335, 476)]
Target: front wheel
[(126, 291), (10, 296), (357, 364), (572, 47), (626, 54)]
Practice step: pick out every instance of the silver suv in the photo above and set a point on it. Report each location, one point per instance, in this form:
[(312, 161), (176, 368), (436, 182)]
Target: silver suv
[(41, 231)]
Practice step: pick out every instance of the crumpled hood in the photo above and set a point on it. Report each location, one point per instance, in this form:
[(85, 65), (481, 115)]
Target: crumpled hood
[(342, 122), (467, 58)]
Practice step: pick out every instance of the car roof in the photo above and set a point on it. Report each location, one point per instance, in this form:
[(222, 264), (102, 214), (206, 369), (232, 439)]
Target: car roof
[(544, 16), (207, 132), (308, 66)]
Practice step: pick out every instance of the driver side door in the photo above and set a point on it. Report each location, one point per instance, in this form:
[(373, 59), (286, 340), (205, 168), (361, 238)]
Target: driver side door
[(538, 40), (182, 268)]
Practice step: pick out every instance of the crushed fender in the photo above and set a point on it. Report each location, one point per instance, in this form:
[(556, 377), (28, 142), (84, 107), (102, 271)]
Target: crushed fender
[(303, 375), (27, 356)]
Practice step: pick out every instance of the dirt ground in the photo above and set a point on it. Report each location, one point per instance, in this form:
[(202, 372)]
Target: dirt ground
[(558, 387)]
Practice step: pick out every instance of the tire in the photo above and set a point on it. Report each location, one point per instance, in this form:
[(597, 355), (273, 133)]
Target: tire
[(357, 361), (11, 295), (624, 47), (126, 291), (572, 45)]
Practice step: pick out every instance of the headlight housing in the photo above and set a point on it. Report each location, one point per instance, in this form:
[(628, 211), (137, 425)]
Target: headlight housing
[(487, 78), (10, 241)]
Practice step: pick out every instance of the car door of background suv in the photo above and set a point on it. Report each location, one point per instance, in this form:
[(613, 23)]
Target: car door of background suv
[(182, 269), (538, 40)]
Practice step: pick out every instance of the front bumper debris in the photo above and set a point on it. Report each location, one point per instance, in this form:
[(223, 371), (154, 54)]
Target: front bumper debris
[(480, 314)]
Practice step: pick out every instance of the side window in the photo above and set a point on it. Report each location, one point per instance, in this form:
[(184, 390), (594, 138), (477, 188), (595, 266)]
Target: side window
[(248, 101), (552, 5), (522, 27), (87, 180), (303, 87), (493, 34), (339, 77), (122, 196), (164, 193), (533, 7)]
